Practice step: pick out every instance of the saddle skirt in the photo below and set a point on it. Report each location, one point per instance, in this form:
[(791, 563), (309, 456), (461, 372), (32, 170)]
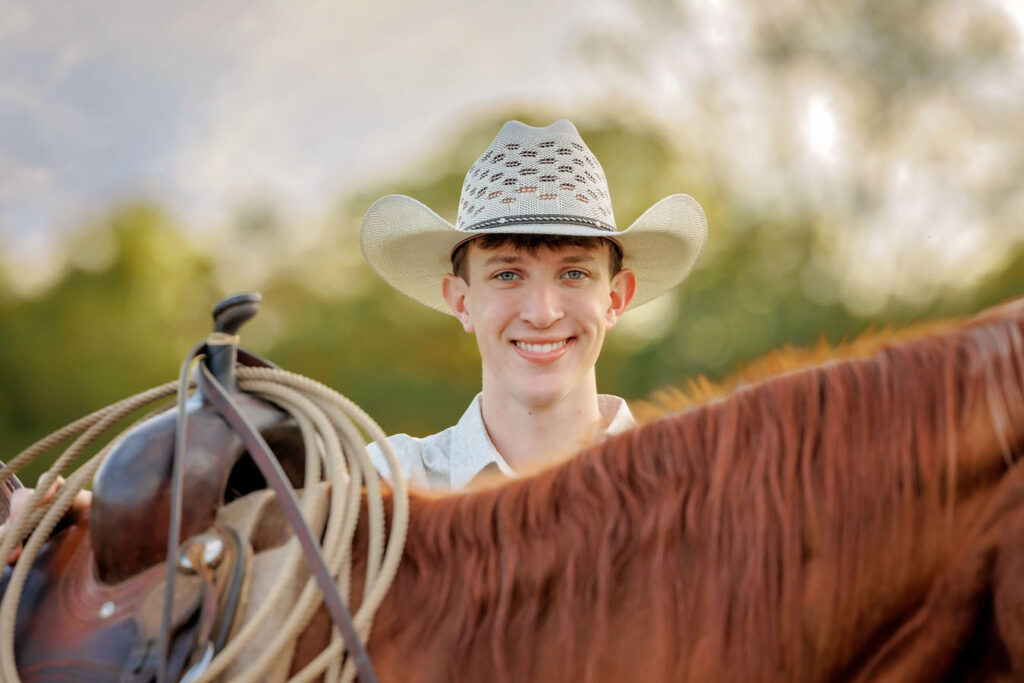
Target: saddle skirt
[(73, 626)]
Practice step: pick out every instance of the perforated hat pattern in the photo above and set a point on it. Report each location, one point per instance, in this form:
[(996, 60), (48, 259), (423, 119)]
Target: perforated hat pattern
[(535, 175)]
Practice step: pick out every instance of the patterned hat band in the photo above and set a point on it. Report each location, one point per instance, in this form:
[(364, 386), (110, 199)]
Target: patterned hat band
[(540, 219)]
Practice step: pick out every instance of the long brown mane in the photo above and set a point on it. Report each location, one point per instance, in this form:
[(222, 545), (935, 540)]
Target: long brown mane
[(768, 535)]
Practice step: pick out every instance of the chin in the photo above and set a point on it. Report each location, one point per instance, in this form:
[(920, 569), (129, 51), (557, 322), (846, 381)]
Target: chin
[(541, 397)]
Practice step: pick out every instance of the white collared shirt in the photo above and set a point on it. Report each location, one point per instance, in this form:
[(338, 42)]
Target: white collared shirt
[(452, 458)]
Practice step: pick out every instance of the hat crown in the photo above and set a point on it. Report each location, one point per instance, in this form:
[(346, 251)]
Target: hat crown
[(535, 172)]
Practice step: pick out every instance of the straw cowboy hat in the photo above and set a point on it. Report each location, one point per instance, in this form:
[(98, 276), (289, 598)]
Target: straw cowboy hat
[(530, 181)]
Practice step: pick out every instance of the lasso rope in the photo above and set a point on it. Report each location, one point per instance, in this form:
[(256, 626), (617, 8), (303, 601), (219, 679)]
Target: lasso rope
[(330, 425)]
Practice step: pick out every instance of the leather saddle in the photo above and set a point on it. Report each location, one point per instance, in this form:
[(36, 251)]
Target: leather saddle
[(73, 626), (92, 606)]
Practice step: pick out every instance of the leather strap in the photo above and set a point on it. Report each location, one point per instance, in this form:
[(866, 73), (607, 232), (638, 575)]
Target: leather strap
[(174, 532), (207, 597), (268, 465), (174, 522)]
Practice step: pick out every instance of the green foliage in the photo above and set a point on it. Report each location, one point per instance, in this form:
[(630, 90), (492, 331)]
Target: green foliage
[(136, 296), (100, 335)]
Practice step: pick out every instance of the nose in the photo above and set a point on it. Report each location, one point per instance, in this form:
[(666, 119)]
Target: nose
[(542, 305)]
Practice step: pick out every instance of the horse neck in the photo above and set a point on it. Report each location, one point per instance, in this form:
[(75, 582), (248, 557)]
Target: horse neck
[(773, 531)]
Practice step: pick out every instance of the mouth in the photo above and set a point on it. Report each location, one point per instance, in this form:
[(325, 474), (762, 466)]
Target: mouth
[(542, 347), (542, 350)]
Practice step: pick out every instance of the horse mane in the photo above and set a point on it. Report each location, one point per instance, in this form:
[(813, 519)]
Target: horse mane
[(726, 503), (785, 359)]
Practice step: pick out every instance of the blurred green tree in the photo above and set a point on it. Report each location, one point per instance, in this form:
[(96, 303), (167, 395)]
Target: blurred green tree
[(136, 296), (133, 300), (893, 124)]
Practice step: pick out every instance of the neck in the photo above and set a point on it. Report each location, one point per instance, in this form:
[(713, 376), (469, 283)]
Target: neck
[(528, 435)]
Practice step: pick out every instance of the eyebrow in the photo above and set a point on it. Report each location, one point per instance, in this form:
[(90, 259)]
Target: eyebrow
[(502, 259), (579, 258), (516, 258)]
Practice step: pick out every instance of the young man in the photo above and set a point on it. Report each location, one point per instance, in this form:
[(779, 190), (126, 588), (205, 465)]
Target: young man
[(537, 270)]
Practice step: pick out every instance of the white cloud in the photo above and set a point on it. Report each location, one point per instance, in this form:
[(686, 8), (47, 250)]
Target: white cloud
[(18, 180), (820, 128), (206, 104), (1014, 11)]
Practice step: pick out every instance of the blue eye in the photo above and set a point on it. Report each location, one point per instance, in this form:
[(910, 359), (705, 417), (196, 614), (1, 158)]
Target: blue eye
[(574, 275), (506, 276)]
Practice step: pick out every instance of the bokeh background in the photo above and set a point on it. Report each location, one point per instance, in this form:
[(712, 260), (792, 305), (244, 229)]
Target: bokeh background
[(860, 163)]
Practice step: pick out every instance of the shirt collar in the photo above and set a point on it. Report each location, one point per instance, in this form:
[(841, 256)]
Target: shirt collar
[(472, 449)]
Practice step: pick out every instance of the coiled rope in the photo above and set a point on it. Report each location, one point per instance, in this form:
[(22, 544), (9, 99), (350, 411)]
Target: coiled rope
[(330, 425)]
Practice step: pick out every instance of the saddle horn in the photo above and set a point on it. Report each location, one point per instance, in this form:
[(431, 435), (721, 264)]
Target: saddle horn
[(228, 317), (129, 517)]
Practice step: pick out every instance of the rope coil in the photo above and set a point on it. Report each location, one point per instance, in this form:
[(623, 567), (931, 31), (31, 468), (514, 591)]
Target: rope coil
[(331, 427)]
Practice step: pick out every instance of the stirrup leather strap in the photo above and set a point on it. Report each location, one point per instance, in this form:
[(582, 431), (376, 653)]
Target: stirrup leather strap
[(278, 481)]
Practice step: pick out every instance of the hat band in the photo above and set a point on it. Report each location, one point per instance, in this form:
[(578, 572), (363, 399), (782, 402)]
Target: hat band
[(542, 218)]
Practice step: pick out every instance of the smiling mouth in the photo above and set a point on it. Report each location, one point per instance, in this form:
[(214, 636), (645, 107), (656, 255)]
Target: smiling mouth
[(541, 348)]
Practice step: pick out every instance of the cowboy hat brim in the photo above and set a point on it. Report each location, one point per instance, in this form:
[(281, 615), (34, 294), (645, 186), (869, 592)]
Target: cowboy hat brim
[(410, 246)]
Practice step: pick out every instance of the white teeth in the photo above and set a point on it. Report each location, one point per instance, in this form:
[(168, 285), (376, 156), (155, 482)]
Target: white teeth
[(541, 348)]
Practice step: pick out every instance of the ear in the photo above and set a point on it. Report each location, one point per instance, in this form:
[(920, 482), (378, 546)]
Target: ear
[(623, 288), (454, 290)]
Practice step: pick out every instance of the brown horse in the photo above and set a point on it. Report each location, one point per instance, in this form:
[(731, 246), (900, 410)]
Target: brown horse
[(859, 520)]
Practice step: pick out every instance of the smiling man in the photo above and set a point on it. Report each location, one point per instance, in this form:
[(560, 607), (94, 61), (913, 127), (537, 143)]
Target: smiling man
[(539, 306), (537, 270)]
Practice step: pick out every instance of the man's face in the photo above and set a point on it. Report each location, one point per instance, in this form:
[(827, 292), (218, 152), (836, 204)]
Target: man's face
[(539, 319)]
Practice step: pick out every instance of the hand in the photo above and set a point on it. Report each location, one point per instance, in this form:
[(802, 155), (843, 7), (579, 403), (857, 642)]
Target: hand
[(19, 499)]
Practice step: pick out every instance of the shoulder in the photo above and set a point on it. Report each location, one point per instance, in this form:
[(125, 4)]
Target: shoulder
[(424, 461), (616, 414)]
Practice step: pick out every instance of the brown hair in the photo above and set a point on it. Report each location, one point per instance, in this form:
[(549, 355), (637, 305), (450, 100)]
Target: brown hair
[(531, 244)]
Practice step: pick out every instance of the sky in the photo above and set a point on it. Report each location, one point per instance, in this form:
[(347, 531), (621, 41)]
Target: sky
[(203, 106)]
